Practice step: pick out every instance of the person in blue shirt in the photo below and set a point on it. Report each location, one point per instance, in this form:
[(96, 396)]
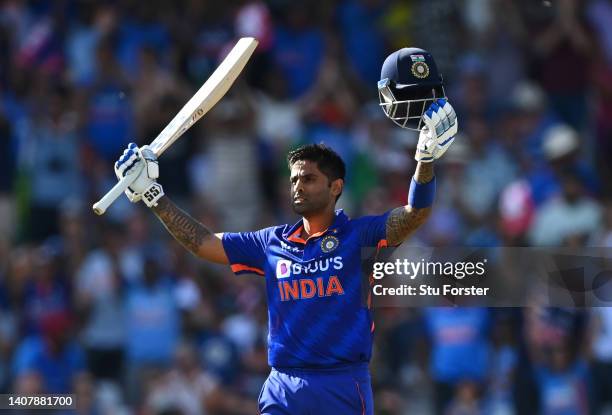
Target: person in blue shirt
[(460, 350), (52, 354), (320, 331)]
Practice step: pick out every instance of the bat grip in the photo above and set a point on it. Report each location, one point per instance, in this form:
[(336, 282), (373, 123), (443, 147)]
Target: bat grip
[(101, 205)]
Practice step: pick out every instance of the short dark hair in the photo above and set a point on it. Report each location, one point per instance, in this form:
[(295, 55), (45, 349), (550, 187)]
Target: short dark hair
[(328, 161)]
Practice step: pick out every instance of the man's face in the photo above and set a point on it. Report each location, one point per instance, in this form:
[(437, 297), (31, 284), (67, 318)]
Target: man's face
[(311, 190)]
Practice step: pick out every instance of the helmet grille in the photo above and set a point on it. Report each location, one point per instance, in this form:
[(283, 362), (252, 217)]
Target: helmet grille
[(405, 106)]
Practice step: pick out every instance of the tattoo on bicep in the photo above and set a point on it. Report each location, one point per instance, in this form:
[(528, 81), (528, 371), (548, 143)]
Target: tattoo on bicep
[(184, 228), (403, 221)]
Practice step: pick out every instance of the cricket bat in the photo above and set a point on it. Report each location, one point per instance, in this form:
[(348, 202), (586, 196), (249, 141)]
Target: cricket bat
[(207, 96)]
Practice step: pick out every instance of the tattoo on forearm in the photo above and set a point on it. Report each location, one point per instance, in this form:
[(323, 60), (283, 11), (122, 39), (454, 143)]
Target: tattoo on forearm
[(403, 221), (424, 172), (184, 228)]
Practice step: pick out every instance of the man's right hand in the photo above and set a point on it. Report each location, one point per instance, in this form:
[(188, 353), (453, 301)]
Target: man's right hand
[(140, 163)]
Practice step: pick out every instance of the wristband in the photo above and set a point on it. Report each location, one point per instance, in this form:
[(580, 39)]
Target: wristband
[(421, 195)]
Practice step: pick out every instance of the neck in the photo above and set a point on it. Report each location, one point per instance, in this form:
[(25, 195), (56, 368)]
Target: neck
[(318, 222)]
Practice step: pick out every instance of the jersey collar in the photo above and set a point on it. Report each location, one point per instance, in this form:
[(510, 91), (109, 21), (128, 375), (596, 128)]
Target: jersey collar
[(293, 233)]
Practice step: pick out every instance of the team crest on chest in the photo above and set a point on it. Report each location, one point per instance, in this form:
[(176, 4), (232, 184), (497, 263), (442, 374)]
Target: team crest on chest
[(329, 243)]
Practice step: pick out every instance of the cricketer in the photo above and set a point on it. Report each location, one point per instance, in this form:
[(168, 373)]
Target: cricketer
[(320, 333)]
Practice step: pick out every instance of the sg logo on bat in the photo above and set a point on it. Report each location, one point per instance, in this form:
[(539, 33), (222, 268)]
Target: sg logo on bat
[(152, 193)]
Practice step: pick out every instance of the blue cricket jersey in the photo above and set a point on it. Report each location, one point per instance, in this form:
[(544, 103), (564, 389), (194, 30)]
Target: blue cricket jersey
[(316, 316)]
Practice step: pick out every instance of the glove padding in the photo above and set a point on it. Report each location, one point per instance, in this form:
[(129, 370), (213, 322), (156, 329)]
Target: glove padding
[(142, 163), (438, 133)]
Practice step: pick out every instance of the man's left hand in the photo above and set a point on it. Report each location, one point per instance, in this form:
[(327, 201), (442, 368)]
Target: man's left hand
[(438, 133)]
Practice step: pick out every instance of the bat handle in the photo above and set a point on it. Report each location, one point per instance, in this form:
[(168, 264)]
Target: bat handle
[(101, 205)]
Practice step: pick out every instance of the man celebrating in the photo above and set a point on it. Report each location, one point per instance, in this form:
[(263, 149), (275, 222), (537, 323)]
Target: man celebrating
[(320, 334)]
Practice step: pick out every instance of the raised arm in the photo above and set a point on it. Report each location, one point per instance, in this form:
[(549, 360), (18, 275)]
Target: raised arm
[(190, 233), (197, 238), (434, 139), (404, 220)]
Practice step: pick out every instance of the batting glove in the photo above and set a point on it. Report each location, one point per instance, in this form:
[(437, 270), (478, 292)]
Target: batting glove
[(438, 133), (142, 164)]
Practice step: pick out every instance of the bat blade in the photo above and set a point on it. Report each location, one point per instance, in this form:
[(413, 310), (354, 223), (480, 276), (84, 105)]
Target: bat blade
[(215, 87), (208, 95)]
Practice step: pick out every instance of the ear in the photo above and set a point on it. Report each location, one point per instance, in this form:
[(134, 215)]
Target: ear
[(336, 187)]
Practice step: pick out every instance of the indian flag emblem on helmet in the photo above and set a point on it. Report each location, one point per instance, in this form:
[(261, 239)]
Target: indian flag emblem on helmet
[(420, 69), (329, 243)]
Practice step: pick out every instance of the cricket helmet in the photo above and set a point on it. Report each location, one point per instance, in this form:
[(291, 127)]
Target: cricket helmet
[(409, 83)]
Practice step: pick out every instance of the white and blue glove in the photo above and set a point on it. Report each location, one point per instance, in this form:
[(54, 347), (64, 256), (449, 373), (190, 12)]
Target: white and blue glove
[(438, 133), (142, 164)]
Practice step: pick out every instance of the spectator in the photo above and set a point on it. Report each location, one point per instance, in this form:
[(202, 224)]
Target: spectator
[(561, 38), (46, 292), (472, 90), (73, 238), (101, 305), (139, 29), (459, 349), (219, 354), (278, 116), (152, 324), (85, 399), (53, 355), (516, 211), (93, 25), (109, 117), (503, 366), (601, 359), (466, 400), (153, 84), (233, 163), (484, 153), (196, 392), (501, 36), (563, 382), (299, 48), (362, 36), (561, 149), (531, 117), (53, 162), (440, 29), (571, 214), (41, 47)]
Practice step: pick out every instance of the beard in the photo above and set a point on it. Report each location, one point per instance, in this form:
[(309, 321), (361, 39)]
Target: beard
[(308, 207), (302, 209)]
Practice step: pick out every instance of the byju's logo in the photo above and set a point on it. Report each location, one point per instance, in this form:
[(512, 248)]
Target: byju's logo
[(283, 268)]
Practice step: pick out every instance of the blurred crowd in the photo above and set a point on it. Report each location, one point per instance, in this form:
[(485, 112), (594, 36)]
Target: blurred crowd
[(113, 310)]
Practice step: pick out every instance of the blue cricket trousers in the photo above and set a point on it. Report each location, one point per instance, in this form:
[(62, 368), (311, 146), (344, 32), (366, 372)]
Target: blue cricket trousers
[(333, 391)]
